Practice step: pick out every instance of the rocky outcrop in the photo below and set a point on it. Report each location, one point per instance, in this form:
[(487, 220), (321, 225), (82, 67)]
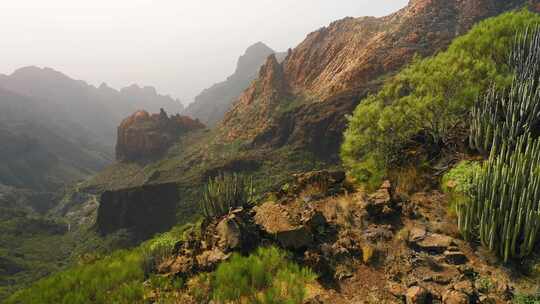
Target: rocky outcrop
[(303, 101), (210, 106), (143, 211), (144, 135)]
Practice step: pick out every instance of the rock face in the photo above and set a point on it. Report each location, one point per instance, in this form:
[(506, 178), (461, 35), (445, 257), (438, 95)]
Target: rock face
[(144, 210), (303, 101), (210, 106), (143, 135)]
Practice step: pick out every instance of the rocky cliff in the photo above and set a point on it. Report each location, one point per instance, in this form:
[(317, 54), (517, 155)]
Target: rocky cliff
[(304, 100), (144, 135), (143, 211), (212, 103)]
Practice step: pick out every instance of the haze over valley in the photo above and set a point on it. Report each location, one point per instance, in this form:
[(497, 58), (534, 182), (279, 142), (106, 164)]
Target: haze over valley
[(299, 152)]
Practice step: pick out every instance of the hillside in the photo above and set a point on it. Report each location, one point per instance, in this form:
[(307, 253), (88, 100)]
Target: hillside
[(289, 129), (42, 152), (303, 101), (211, 105)]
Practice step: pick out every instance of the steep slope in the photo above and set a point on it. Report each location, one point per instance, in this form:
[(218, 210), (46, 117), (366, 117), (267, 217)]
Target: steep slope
[(99, 110), (213, 102), (303, 101)]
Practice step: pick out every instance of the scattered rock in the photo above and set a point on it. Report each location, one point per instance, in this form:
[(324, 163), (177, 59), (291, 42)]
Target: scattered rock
[(229, 234), (417, 234), (465, 286), (436, 243), (416, 295), (313, 219), (455, 297), (295, 238), (379, 205), (211, 258), (455, 257)]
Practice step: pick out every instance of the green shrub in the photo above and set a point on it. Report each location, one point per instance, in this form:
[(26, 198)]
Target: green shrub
[(226, 192), (263, 277), (429, 101), (158, 249), (527, 299), (458, 183)]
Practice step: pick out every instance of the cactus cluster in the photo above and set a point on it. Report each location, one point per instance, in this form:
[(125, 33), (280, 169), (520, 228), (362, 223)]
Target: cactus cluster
[(504, 115), (226, 192), (505, 210)]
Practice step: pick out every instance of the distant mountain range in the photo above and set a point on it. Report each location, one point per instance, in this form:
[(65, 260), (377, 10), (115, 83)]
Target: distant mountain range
[(212, 103), (99, 110), (55, 130)]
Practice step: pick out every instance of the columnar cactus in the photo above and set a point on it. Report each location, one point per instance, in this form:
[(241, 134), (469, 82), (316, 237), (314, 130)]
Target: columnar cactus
[(504, 212), (509, 113), (225, 192)]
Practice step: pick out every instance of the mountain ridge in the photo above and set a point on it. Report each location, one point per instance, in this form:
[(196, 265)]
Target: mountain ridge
[(212, 103), (327, 74)]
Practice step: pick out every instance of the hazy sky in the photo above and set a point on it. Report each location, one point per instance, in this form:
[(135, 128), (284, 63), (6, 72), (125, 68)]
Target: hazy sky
[(178, 46)]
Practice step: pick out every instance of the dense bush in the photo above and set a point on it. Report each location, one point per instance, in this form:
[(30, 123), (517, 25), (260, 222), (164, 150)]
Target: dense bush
[(225, 192), (263, 277), (429, 101)]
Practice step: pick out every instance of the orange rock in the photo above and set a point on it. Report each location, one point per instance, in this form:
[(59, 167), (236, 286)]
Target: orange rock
[(143, 135)]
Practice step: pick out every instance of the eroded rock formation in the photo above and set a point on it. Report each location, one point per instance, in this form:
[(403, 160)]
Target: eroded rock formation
[(144, 135), (143, 211)]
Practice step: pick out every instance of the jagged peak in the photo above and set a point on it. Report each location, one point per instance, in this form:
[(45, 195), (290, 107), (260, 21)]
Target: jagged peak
[(258, 47)]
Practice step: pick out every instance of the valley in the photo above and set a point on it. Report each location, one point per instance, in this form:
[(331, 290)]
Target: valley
[(384, 159)]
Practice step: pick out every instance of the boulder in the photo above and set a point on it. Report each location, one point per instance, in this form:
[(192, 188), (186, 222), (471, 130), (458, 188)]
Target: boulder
[(229, 234), (416, 295), (295, 238), (274, 220), (455, 297), (455, 257), (465, 287), (433, 242), (379, 205)]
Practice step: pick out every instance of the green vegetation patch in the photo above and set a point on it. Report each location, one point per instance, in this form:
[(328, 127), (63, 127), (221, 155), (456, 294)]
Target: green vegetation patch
[(266, 276), (458, 183), (427, 103)]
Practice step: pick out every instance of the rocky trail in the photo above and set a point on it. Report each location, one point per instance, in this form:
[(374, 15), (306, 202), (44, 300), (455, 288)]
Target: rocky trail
[(378, 247)]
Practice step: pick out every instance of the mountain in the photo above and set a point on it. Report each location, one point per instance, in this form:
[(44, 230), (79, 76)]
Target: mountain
[(304, 100), (98, 110), (42, 149), (212, 103)]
